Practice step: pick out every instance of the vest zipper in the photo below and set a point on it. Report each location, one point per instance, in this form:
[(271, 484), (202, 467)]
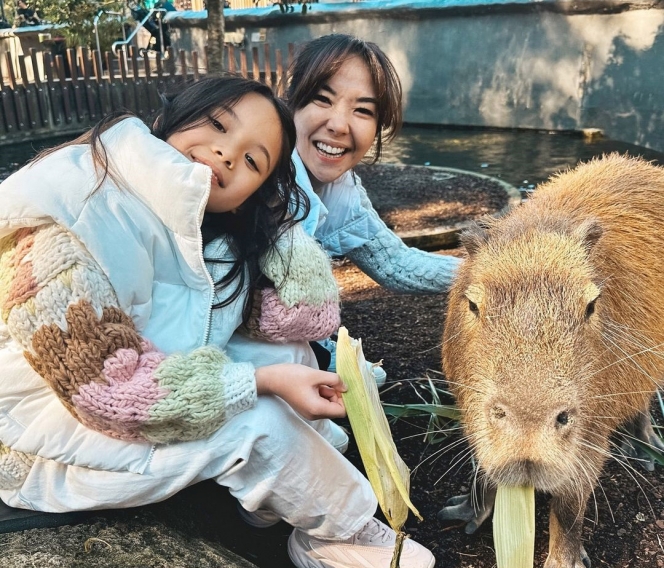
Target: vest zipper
[(201, 212)]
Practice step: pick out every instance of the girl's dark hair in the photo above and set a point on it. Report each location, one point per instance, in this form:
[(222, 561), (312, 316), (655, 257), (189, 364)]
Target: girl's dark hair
[(319, 59), (276, 206)]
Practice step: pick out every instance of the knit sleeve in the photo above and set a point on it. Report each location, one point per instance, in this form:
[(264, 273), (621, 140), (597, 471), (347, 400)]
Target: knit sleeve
[(396, 266), (400, 268), (303, 305), (59, 306)]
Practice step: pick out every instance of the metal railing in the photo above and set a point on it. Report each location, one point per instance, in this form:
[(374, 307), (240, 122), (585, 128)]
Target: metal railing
[(139, 26)]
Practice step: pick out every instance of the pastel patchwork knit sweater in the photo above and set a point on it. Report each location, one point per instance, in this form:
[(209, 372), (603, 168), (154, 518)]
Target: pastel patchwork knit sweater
[(60, 308), (105, 302)]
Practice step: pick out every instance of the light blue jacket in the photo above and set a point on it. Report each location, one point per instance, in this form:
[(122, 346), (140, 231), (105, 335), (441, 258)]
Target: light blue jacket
[(343, 220)]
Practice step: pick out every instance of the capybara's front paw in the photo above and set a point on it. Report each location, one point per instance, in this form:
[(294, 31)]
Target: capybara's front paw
[(566, 561), (469, 509)]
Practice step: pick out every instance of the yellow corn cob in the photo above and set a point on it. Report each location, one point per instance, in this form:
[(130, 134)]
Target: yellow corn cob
[(388, 474), (514, 527)]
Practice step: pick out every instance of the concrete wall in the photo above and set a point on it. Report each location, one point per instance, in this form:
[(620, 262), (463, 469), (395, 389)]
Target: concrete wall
[(550, 64)]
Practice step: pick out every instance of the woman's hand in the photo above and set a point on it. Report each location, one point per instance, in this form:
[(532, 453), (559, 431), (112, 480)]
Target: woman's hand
[(311, 393)]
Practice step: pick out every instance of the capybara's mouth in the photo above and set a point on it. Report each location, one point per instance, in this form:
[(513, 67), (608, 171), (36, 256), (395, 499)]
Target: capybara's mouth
[(543, 477)]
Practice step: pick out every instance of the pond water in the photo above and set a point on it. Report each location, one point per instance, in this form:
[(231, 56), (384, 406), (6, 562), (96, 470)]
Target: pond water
[(522, 158)]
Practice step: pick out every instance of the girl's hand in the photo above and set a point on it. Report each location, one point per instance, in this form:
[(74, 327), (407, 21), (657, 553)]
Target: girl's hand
[(311, 393)]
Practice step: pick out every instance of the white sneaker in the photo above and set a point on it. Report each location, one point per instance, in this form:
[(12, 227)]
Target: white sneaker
[(339, 438), (379, 375), (371, 547), (260, 519)]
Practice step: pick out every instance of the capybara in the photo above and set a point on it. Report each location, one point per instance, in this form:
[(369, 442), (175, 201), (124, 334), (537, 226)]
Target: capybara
[(554, 338)]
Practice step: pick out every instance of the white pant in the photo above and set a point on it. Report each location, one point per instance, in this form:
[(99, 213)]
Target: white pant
[(269, 457)]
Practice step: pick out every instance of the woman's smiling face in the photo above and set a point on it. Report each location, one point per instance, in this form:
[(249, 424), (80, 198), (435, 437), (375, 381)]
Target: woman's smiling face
[(337, 128)]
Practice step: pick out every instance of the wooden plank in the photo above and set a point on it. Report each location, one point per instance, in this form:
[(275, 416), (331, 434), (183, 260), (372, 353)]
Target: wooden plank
[(75, 86), (3, 119), (29, 95), (114, 87), (103, 87), (255, 70), (17, 95), (97, 66), (10, 70), (90, 85), (267, 66), (54, 94), (8, 110), (65, 89), (108, 56), (206, 54), (128, 101), (170, 67), (150, 86), (183, 66), (42, 96), (291, 54), (280, 75), (194, 64), (147, 66), (136, 84), (243, 64), (232, 66), (133, 57)]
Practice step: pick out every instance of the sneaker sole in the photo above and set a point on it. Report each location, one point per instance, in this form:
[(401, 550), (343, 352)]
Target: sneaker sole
[(254, 520), (306, 562)]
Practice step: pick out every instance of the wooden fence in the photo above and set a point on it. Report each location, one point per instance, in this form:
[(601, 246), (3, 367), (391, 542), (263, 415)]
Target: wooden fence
[(47, 96)]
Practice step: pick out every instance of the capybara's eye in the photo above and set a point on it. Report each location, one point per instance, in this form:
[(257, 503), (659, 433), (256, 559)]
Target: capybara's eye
[(472, 306), (590, 309)]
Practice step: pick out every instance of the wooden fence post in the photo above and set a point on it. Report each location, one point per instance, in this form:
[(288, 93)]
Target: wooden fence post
[(42, 97), (67, 94)]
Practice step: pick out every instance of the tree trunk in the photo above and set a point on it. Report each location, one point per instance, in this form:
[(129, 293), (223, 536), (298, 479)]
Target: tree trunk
[(215, 31)]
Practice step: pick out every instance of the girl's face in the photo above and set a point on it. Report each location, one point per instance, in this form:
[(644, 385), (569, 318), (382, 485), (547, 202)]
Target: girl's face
[(337, 128), (241, 146)]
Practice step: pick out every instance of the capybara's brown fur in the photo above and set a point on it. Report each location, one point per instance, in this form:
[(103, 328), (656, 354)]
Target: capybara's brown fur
[(554, 335)]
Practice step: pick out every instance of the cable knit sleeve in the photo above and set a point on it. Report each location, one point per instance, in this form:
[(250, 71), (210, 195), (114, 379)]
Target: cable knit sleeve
[(387, 259), (304, 303), (61, 309)]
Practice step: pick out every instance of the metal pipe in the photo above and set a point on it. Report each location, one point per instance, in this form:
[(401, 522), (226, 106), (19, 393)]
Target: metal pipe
[(96, 26)]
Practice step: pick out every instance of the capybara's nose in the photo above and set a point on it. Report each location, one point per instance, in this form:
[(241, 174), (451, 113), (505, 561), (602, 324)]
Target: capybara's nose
[(504, 415)]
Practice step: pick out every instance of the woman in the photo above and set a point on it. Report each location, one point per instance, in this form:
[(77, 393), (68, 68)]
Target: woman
[(346, 99)]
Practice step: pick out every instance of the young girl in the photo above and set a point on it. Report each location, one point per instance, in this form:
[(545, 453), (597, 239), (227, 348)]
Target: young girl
[(346, 98), (117, 388)]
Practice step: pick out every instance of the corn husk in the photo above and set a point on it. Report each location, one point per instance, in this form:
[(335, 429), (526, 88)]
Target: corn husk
[(514, 527), (388, 474)]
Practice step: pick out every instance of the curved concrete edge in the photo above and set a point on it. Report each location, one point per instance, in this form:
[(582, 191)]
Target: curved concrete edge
[(447, 236)]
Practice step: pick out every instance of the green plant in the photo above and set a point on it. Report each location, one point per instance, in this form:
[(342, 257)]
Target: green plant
[(442, 418), (77, 18), (8, 10)]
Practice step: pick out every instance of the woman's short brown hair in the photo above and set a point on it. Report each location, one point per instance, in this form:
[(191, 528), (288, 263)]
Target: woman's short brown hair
[(319, 59)]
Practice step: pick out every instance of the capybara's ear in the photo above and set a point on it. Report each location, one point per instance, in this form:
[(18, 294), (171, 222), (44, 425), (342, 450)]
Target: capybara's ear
[(588, 232), (474, 237)]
